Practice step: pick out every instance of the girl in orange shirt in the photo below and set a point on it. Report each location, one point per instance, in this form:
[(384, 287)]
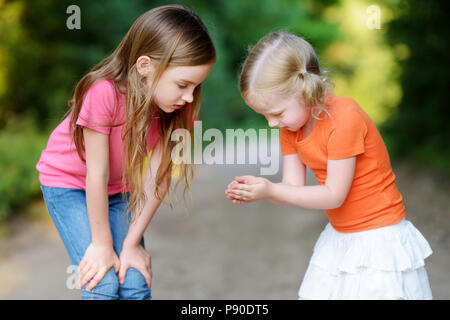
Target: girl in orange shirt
[(368, 250)]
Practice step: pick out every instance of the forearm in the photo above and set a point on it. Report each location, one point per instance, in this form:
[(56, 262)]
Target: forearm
[(137, 228), (274, 201), (139, 225), (97, 205), (311, 197)]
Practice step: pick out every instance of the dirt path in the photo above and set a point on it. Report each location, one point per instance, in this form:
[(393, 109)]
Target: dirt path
[(218, 251)]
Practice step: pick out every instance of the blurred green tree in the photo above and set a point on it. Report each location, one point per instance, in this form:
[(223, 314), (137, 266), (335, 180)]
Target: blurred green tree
[(41, 60), (47, 59), (419, 127)]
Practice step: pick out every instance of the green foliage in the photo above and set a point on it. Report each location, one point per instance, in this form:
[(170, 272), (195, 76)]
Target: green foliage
[(234, 26), (41, 61), (362, 64), (47, 59), (20, 149), (419, 128)]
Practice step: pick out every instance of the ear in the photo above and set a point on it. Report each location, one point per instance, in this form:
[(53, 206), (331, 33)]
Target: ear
[(144, 66)]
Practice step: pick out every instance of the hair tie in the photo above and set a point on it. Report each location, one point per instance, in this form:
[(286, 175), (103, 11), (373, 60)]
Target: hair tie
[(303, 73)]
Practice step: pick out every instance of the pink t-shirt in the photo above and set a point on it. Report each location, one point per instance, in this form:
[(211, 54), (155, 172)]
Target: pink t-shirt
[(60, 166)]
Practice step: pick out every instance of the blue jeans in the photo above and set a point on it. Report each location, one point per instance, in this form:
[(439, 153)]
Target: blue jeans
[(68, 210)]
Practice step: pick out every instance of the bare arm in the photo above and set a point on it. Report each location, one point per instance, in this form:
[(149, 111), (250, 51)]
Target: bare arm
[(294, 174), (100, 256), (329, 196), (138, 227), (133, 254), (97, 178)]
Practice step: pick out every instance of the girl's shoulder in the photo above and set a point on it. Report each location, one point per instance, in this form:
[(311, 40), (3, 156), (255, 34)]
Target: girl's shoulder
[(344, 109), (336, 105), (102, 86), (104, 90), (344, 113), (101, 100)]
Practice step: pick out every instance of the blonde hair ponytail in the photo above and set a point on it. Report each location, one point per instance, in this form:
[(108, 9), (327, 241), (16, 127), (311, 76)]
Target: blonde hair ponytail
[(284, 63)]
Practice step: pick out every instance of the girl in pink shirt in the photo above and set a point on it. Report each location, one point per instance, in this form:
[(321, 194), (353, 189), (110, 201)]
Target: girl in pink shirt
[(99, 188)]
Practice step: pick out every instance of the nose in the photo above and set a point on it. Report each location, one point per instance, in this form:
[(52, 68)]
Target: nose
[(188, 97)]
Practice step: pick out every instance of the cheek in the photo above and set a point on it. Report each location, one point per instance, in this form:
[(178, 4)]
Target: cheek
[(304, 115), (162, 94), (295, 119)]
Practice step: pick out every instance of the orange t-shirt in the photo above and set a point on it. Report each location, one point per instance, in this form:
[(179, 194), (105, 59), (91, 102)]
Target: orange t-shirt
[(373, 200)]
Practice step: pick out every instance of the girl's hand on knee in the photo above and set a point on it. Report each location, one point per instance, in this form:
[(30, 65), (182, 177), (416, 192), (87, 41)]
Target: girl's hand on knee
[(97, 260), (135, 256)]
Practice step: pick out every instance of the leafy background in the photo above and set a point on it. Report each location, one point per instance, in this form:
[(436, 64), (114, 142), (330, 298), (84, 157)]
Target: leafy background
[(398, 73)]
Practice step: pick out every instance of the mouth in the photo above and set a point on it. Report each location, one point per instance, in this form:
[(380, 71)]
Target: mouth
[(178, 106)]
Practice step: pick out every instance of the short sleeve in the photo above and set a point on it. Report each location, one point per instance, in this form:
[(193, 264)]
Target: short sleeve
[(347, 135), (287, 142), (98, 107)]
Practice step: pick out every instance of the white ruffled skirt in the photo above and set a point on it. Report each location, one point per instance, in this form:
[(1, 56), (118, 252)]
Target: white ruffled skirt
[(382, 263)]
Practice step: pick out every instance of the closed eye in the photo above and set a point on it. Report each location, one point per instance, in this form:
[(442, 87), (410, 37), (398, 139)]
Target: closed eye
[(277, 114)]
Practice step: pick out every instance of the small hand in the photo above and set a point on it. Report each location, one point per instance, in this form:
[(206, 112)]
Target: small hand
[(248, 188), (97, 260), (135, 256), (231, 195)]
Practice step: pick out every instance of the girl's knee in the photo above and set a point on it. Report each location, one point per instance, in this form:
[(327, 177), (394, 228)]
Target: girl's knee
[(134, 287), (106, 289)]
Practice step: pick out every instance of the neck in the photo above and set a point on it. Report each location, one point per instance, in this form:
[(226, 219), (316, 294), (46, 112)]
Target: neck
[(311, 121)]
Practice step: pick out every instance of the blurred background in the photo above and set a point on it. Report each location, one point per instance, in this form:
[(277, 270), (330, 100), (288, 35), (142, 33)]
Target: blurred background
[(391, 56)]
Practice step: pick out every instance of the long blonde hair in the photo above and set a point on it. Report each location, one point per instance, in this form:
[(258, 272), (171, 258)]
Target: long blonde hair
[(285, 64), (170, 35)]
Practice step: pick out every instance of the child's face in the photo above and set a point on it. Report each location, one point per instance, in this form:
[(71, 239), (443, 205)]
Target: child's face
[(280, 111), (176, 86)]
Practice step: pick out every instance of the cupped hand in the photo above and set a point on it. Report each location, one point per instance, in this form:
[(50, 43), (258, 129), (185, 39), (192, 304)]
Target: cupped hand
[(231, 196), (246, 189)]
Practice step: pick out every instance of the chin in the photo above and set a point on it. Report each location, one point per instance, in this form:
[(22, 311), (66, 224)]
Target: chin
[(168, 110)]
